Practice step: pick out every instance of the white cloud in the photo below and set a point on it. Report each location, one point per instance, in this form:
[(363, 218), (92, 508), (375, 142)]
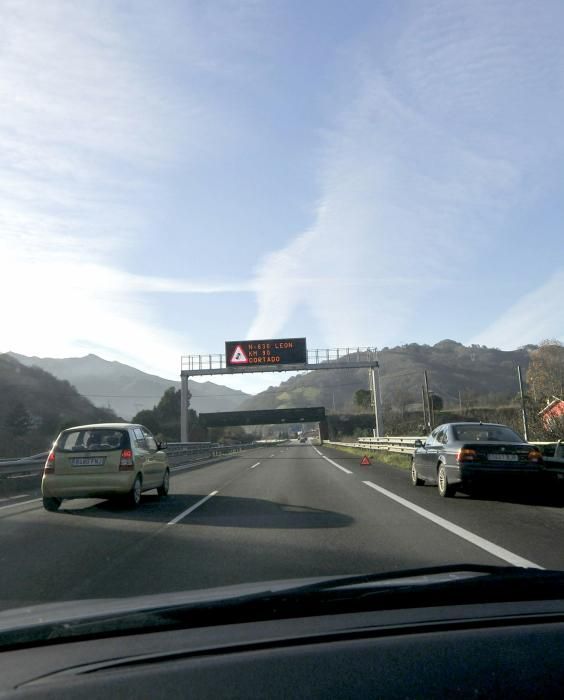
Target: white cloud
[(88, 118), (536, 316), (425, 157), (423, 165), (380, 221), (58, 304)]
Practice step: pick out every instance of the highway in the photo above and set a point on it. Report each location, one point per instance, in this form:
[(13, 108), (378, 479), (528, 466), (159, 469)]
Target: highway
[(272, 513)]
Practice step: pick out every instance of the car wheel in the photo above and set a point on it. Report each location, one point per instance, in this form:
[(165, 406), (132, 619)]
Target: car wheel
[(446, 490), (163, 489), (52, 504), (133, 498), (415, 479)]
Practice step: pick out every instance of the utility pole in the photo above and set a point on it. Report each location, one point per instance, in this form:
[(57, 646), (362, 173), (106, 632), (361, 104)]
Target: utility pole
[(430, 412), (375, 387), (184, 409), (523, 407), (424, 404)]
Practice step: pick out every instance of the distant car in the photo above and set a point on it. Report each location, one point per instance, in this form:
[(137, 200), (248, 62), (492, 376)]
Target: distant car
[(462, 456), (104, 460), (303, 439)]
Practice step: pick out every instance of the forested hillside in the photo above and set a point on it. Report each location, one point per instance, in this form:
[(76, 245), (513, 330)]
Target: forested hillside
[(460, 375), (34, 406)]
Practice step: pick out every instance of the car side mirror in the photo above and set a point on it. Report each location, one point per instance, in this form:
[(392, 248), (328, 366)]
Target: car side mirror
[(418, 443)]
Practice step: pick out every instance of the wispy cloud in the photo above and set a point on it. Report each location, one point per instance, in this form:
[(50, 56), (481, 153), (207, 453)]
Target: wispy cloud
[(433, 141), (427, 156), (536, 316), (88, 119)]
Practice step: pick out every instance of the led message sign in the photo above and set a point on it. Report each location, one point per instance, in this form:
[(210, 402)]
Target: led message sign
[(249, 353)]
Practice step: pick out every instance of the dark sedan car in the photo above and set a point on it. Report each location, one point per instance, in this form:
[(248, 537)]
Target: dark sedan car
[(462, 456)]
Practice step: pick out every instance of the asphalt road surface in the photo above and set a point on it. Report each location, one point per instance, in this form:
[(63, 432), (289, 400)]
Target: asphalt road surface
[(272, 513)]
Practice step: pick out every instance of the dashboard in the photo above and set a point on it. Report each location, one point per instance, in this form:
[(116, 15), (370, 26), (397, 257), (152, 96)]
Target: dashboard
[(464, 651)]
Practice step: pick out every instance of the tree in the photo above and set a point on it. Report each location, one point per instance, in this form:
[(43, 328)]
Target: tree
[(545, 375), (545, 380), (164, 418), (168, 408), (18, 420), (401, 399), (363, 398), (149, 419), (196, 432), (168, 412)]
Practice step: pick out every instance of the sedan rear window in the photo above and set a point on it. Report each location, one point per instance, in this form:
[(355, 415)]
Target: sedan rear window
[(93, 440), (485, 433)]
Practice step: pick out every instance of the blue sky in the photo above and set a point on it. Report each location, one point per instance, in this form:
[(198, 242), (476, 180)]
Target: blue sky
[(178, 174)]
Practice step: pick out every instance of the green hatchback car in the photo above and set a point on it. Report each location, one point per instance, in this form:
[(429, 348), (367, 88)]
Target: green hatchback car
[(104, 460)]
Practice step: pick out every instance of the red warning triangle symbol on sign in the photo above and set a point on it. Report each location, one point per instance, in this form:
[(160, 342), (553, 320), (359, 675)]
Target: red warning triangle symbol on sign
[(365, 461), (239, 357)]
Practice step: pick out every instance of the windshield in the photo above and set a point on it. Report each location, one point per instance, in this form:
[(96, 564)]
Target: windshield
[(282, 293), (92, 439), (489, 433)]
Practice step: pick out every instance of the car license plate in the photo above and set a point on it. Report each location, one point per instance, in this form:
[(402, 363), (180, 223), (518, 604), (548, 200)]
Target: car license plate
[(88, 461), (503, 458)]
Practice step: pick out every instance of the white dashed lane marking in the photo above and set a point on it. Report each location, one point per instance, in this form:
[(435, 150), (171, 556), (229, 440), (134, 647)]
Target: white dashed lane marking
[(191, 509)]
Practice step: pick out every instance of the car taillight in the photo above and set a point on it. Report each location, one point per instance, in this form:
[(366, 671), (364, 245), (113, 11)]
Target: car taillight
[(466, 455), (534, 456), (126, 463), (50, 464)]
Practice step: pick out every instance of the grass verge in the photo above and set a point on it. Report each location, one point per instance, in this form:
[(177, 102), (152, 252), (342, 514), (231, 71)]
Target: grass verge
[(394, 458)]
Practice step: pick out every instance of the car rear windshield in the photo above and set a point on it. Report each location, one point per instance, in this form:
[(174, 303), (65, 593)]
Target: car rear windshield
[(485, 433), (90, 440)]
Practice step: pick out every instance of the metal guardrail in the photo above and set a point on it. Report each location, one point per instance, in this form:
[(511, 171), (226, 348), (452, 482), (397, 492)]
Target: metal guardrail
[(552, 457), (23, 465), (177, 453), (406, 445), (192, 452), (33, 459), (401, 445)]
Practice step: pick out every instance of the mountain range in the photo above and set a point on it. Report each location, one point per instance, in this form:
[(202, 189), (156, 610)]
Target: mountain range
[(457, 373), (39, 395), (127, 390), (35, 405)]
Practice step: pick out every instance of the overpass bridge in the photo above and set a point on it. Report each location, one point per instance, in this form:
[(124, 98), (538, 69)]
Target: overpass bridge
[(286, 416)]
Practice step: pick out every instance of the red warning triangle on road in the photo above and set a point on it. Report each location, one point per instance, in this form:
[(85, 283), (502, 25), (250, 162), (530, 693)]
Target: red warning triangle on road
[(365, 461), (239, 357)]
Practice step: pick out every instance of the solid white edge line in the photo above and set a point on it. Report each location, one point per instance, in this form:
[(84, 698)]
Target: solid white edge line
[(192, 508), (461, 532), (335, 464), (13, 498), (254, 465), (347, 471), (21, 503)]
